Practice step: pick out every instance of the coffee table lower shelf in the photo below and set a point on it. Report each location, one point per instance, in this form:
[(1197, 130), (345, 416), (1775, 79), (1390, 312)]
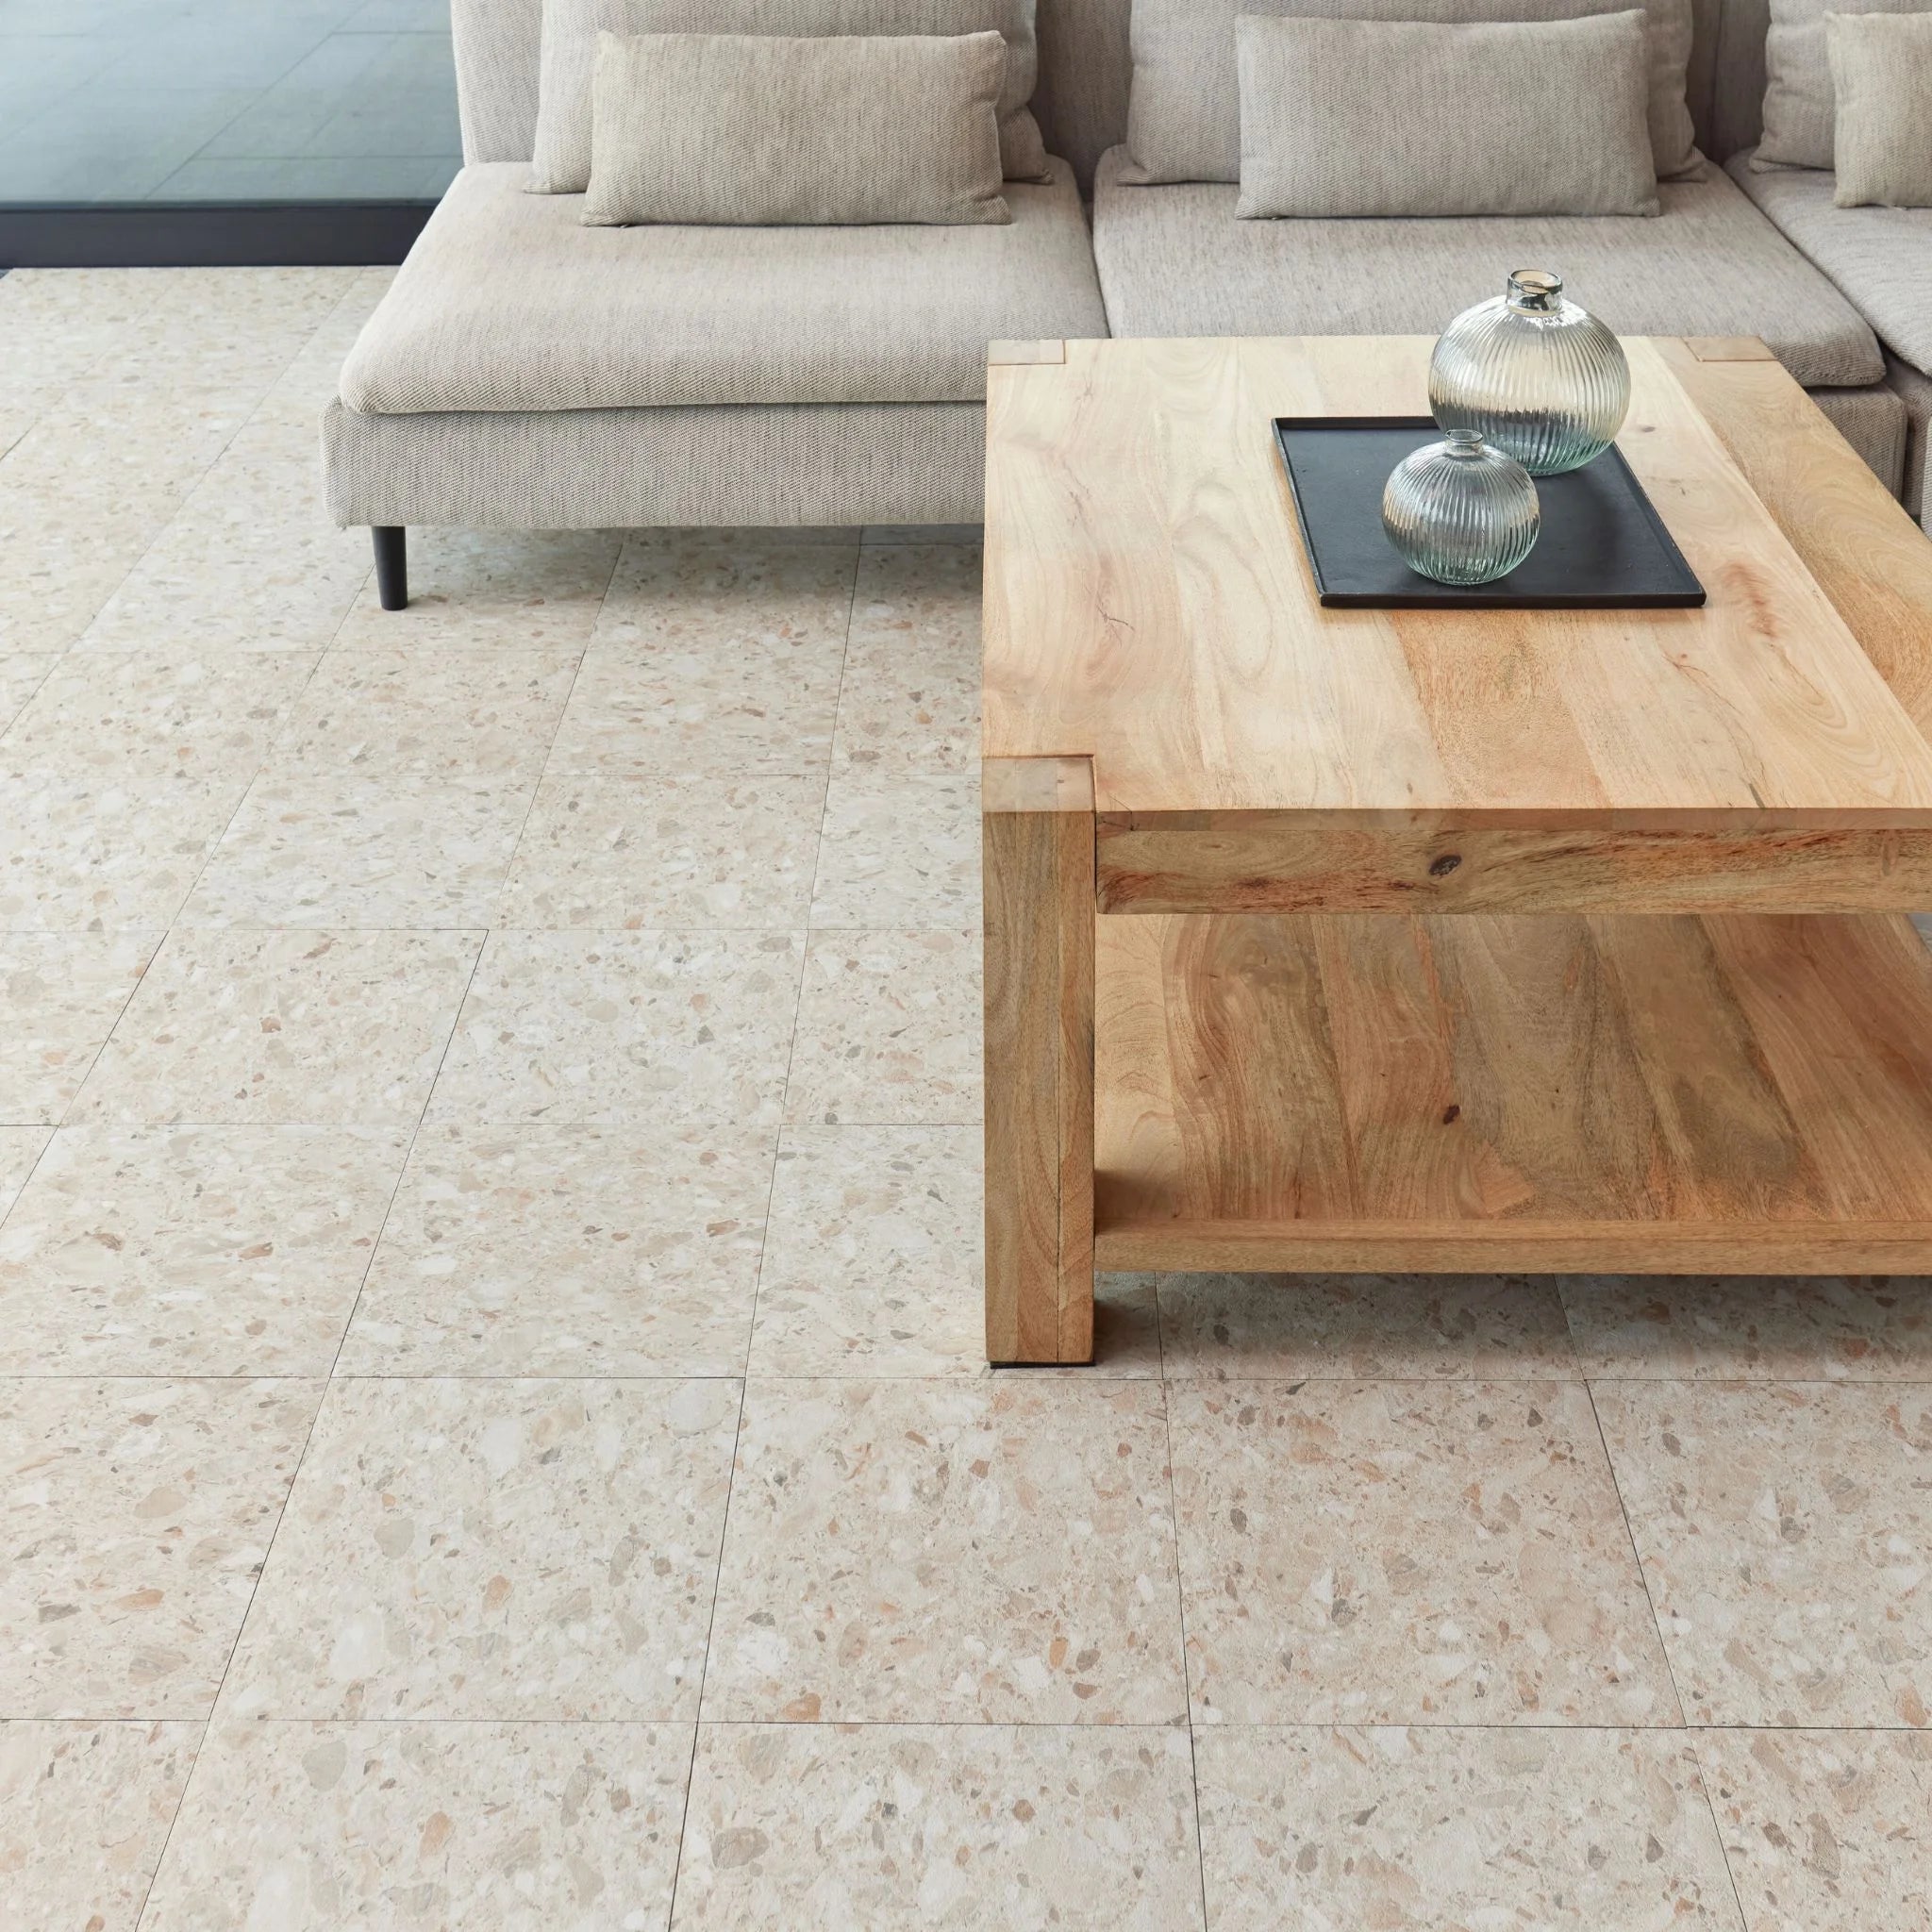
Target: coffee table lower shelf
[(1725, 1094)]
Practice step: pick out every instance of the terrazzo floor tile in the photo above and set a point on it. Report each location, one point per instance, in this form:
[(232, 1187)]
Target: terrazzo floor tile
[(137, 717), (718, 656), (568, 1250), (722, 706), (137, 1515), (494, 1549), (1468, 1327), (21, 673), (94, 855), (899, 852), (873, 1262), (1408, 1552), (1827, 1830), (1786, 1531), (355, 849), (428, 712), (193, 1251), (749, 587), (1752, 1329), (61, 994), (484, 589), (614, 851), (20, 1148), (493, 1827), (1303, 1830), (69, 550), (323, 1028), (624, 1028), (236, 569), (910, 702), (84, 1811), (1015, 1828), (915, 1552), (888, 1028)]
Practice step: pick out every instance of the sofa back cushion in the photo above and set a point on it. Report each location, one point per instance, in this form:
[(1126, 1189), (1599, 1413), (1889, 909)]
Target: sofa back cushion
[(1184, 120), (1881, 84), (1798, 120), (560, 164), (1085, 62), (768, 131), (1557, 109)]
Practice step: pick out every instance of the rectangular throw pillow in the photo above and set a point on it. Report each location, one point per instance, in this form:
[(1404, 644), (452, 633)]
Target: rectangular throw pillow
[(1184, 117), (1797, 80), (1356, 117), (752, 129), (562, 162), (1881, 84)]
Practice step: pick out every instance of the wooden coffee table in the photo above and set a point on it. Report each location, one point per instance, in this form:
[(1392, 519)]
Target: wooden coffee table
[(1330, 940)]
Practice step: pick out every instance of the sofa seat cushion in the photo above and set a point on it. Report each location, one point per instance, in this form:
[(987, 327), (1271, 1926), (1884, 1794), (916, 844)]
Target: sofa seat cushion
[(1881, 258), (507, 302), (1173, 261)]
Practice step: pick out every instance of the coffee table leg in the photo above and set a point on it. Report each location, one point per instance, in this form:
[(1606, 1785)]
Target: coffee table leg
[(1037, 832)]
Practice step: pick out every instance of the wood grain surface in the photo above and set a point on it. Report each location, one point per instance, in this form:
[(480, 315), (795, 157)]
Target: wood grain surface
[(1038, 841), (1727, 1094), (1862, 547), (1148, 604), (1273, 863)]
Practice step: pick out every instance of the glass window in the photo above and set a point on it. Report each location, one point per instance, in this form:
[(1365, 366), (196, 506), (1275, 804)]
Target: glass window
[(187, 101)]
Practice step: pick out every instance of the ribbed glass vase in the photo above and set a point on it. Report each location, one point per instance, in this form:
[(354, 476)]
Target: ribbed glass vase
[(1533, 374), (1460, 512)]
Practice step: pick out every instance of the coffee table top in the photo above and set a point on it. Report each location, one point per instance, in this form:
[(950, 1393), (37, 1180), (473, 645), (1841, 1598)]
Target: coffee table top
[(1149, 605)]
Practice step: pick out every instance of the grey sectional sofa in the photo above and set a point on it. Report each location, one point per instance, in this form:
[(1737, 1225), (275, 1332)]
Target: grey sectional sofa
[(527, 371)]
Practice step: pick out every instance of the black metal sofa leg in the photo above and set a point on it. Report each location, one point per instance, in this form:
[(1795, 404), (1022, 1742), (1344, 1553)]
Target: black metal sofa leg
[(392, 564)]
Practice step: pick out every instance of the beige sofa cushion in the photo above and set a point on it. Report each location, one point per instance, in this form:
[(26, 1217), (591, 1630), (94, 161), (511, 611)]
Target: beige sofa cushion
[(1446, 103), (1881, 85), (507, 302), (1184, 115), (560, 164), (1173, 263), (764, 129), (1880, 257), (1798, 118)]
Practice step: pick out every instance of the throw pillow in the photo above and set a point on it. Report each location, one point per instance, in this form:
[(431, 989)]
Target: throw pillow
[(562, 162), (1797, 80), (1184, 116), (1881, 83), (758, 130), (1447, 105)]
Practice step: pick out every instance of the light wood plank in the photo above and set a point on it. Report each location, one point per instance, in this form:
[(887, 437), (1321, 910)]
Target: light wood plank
[(1732, 1094), (1015, 354), (1729, 349), (1866, 553), (1148, 604), (1038, 837), (1299, 862)]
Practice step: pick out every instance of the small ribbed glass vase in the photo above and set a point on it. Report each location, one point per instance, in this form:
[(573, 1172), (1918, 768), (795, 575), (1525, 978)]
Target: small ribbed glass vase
[(1533, 374), (1460, 512)]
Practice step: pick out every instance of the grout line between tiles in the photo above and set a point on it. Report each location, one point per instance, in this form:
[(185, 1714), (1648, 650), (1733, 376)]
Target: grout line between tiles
[(309, 1440), (1313, 1728), (1724, 1850), (1181, 1594), (757, 1283), (1635, 1555)]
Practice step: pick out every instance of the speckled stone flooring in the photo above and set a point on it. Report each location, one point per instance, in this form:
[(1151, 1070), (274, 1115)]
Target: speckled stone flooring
[(491, 1424)]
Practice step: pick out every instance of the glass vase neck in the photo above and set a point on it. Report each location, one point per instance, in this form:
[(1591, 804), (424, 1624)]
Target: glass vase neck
[(1536, 291)]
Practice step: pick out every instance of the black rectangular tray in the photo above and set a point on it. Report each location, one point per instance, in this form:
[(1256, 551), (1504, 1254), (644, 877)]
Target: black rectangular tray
[(1602, 546)]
